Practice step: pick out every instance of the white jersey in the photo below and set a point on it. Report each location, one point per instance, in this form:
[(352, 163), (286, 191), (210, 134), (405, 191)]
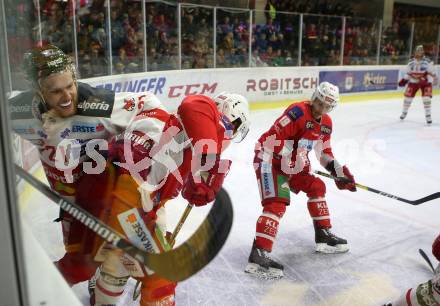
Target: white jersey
[(101, 115), (417, 69)]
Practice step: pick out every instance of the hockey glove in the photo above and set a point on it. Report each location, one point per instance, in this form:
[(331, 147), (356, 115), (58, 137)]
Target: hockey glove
[(209, 183), (403, 82), (436, 248), (129, 153), (345, 179)]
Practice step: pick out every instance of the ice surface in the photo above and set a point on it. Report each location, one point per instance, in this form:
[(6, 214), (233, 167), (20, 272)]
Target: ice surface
[(401, 158)]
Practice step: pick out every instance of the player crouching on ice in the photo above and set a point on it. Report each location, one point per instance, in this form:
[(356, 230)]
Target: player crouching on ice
[(287, 144), (172, 153), (425, 294)]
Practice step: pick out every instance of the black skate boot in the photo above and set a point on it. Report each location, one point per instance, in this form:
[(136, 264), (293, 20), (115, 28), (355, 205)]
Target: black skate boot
[(428, 119), (327, 242), (262, 266), (403, 116)]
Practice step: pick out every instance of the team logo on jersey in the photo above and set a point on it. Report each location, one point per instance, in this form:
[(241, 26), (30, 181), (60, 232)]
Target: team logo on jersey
[(326, 129), (310, 125), (129, 104), (100, 127), (65, 133)]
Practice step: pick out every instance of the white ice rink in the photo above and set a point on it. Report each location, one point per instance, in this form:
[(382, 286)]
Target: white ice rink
[(401, 158)]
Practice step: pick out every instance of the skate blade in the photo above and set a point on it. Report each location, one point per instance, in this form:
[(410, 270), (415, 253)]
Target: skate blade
[(263, 273), (328, 249)]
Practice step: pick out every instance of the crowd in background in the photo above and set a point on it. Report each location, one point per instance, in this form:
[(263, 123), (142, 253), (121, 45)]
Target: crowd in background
[(274, 36)]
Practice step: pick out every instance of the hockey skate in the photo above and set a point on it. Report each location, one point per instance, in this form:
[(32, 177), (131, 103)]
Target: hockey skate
[(428, 120), (403, 116), (329, 243), (262, 266), (92, 284)]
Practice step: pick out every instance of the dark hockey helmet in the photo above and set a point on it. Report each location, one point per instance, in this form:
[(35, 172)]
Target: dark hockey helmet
[(41, 62)]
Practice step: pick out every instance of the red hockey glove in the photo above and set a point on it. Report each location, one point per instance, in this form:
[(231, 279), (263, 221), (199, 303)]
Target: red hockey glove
[(436, 248), (403, 82), (209, 184), (128, 152), (345, 181)]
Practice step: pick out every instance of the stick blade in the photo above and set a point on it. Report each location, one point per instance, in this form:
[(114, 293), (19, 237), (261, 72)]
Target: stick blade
[(427, 198), (195, 253)]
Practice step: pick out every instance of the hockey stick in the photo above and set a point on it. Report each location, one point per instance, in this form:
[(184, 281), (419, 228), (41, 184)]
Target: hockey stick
[(383, 84), (382, 193), (179, 225), (177, 264), (171, 240), (426, 258)]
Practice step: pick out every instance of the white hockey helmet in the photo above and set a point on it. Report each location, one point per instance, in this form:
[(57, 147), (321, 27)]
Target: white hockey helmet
[(235, 108), (328, 94)]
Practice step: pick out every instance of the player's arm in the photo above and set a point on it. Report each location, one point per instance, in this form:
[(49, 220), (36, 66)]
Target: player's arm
[(285, 128), (403, 81), (138, 121), (431, 71), (200, 121), (329, 162)]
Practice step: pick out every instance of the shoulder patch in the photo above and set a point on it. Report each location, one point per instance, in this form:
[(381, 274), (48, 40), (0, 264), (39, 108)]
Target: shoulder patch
[(295, 113), (95, 102)]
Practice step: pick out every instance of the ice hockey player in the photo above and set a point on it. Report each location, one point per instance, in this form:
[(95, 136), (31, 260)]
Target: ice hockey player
[(60, 115), (282, 165), (182, 153), (419, 74), (425, 294)]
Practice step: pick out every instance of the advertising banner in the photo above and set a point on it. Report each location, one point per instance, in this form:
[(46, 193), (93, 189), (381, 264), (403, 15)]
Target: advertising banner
[(257, 84), (351, 81)]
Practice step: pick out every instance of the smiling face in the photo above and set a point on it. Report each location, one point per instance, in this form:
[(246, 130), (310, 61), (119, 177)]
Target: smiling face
[(60, 93)]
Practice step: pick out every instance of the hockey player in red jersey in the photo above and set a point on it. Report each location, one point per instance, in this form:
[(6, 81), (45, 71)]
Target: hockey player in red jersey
[(61, 115), (425, 294), (419, 74), (178, 152), (282, 165)]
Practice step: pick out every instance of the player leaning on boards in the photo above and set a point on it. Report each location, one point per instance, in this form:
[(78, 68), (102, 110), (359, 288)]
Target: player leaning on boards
[(419, 74), (58, 114), (425, 294), (282, 165)]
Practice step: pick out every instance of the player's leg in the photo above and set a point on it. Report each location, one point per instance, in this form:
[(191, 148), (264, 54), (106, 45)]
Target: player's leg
[(275, 196), (112, 279), (81, 243), (426, 97), (326, 241), (156, 290), (409, 95)]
